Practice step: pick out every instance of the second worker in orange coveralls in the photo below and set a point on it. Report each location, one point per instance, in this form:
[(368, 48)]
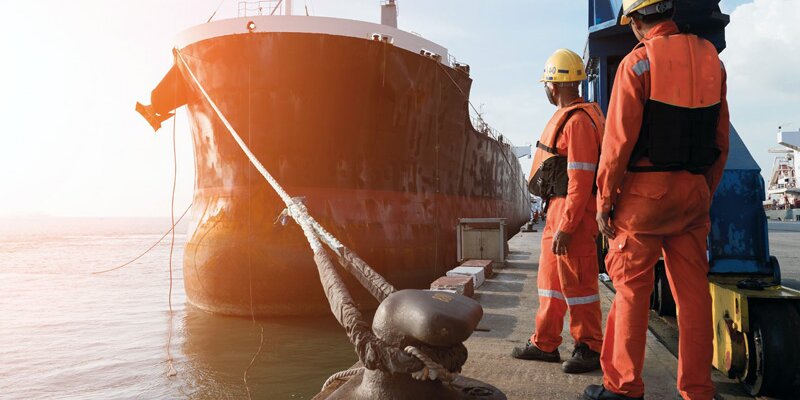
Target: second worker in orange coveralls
[(663, 154), (563, 175)]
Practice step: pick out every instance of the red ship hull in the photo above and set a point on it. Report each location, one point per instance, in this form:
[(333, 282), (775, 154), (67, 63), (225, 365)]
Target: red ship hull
[(377, 139)]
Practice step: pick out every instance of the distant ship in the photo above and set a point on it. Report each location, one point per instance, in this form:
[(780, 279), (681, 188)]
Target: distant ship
[(783, 191), (368, 123)]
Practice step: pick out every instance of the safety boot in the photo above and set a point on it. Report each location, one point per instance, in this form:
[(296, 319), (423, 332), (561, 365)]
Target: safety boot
[(583, 360), (599, 392), (531, 352)]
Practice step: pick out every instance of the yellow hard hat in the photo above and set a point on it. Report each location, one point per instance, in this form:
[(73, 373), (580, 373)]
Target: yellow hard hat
[(564, 66), (655, 6)]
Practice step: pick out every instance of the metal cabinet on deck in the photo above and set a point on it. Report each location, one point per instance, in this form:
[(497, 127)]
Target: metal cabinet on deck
[(481, 239)]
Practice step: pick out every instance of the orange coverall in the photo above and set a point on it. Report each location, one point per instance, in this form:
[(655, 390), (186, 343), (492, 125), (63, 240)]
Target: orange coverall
[(657, 213), (570, 282)]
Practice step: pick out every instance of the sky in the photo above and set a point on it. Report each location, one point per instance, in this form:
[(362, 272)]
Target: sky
[(73, 70)]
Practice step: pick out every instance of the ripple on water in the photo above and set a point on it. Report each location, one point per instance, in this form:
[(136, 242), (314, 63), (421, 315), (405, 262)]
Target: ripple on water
[(69, 334)]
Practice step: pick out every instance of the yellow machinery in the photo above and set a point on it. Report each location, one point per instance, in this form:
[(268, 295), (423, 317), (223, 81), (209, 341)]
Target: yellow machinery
[(756, 334)]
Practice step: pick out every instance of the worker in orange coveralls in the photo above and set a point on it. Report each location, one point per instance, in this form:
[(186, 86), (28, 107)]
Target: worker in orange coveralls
[(663, 154), (563, 174)]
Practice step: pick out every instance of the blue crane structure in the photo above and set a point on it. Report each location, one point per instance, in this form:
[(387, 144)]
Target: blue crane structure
[(755, 318)]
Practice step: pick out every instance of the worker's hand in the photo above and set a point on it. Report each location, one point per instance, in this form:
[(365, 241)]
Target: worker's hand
[(560, 243), (605, 225)]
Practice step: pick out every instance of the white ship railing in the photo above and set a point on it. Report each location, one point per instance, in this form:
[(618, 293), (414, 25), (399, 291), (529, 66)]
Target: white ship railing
[(482, 126), (783, 172), (261, 7)]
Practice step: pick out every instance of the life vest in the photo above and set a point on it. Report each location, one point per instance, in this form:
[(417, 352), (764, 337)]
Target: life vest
[(680, 118), (548, 176)]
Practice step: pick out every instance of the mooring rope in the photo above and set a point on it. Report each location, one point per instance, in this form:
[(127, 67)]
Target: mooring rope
[(341, 375), (313, 231), (215, 11), (347, 315), (290, 203), (432, 370)]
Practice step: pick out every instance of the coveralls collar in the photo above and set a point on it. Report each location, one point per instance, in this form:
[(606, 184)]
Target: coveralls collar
[(574, 102), (663, 29)]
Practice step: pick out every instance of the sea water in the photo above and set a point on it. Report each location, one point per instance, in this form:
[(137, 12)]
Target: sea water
[(66, 333)]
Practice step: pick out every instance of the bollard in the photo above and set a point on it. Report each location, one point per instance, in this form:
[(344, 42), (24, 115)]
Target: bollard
[(435, 322)]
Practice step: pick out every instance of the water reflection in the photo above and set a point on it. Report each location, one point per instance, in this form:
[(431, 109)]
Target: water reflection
[(67, 333), (297, 356)]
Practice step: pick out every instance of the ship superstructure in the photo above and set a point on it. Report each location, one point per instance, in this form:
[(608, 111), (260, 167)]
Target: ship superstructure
[(783, 192)]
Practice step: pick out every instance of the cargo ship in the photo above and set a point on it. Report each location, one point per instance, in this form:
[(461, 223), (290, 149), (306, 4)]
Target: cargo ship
[(368, 124), (783, 190)]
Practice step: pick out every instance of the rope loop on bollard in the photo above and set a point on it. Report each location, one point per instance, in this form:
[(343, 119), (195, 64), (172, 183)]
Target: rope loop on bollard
[(432, 370)]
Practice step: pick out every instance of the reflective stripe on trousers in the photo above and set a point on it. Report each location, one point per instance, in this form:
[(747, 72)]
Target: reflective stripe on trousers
[(668, 216), (568, 284), (571, 301)]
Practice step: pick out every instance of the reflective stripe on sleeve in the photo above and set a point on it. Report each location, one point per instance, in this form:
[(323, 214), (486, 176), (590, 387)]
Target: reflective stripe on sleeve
[(582, 166), (574, 301), (641, 67)]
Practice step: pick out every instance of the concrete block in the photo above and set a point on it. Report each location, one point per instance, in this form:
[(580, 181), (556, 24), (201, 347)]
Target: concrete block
[(460, 284), (485, 264), (477, 274)]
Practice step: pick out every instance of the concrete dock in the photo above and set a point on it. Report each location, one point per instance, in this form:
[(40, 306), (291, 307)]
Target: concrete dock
[(784, 243), (509, 302)]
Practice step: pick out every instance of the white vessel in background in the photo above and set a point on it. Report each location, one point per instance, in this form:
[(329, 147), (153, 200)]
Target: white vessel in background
[(783, 191)]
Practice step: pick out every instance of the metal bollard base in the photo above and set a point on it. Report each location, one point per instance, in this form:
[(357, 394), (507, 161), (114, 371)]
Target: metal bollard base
[(373, 385)]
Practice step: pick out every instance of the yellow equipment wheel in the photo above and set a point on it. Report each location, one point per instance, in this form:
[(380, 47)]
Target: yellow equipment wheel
[(774, 349)]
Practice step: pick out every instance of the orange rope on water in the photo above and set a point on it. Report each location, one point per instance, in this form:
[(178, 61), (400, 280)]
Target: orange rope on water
[(253, 360), (171, 369), (250, 239), (148, 249)]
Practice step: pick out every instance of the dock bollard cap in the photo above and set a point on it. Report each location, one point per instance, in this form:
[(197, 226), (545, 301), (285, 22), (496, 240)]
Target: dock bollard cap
[(433, 318)]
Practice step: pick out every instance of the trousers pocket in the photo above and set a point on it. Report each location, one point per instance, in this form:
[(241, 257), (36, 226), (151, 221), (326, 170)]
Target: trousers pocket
[(617, 244), (647, 185), (615, 254), (648, 190)]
